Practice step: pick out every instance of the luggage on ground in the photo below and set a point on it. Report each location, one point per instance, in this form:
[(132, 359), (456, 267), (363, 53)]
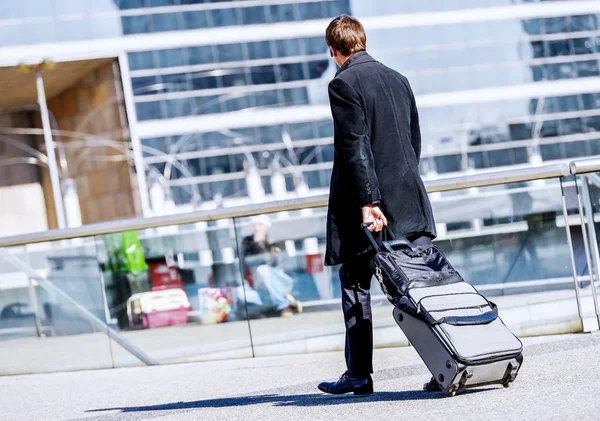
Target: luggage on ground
[(455, 330)]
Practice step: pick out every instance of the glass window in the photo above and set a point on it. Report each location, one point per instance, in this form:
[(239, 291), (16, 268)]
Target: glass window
[(282, 13), (591, 101), (291, 72), (144, 85), (166, 22), (171, 58), (309, 11), (253, 15), (148, 110), (129, 4), (337, 7), (178, 107), (315, 45), (175, 83), (141, 60), (195, 20), (588, 68), (538, 49), (317, 68), (532, 26), (208, 104), (584, 23), (229, 52), (136, 24), (224, 17), (262, 75), (235, 77), (200, 55), (583, 45), (259, 50), (555, 25), (236, 103), (558, 48), (296, 96), (288, 47), (266, 99), (203, 82)]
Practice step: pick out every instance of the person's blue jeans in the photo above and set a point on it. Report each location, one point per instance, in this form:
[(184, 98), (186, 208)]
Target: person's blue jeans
[(275, 284)]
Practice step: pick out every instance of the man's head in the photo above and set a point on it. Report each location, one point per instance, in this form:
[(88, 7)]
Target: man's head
[(345, 36)]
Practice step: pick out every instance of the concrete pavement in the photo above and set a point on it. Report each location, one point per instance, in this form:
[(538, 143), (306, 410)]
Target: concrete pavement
[(560, 380)]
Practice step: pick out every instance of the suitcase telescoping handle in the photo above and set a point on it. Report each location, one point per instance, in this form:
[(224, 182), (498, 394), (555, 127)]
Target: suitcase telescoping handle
[(389, 246)]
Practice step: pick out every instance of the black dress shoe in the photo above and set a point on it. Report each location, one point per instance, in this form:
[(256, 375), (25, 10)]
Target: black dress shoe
[(346, 384), (432, 386)]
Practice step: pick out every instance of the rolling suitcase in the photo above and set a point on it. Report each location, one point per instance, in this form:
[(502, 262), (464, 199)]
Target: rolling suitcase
[(455, 330)]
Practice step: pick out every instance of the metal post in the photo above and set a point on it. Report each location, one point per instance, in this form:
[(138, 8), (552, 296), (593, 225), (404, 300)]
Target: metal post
[(33, 302), (571, 252), (593, 241), (136, 143), (54, 178)]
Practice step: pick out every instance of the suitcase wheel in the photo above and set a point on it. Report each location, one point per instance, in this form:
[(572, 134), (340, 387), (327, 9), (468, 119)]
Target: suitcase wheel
[(451, 393), (506, 384)]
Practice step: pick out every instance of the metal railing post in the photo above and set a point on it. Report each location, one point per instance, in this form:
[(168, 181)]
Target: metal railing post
[(571, 252), (35, 307), (593, 259)]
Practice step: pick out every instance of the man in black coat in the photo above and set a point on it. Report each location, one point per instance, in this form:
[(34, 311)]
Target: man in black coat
[(375, 179)]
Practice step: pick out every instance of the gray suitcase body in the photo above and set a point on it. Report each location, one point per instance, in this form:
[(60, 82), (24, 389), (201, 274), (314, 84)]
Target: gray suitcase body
[(455, 330), (461, 356)]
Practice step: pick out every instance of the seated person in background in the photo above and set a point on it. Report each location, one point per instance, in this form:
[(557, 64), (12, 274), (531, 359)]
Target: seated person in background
[(270, 280)]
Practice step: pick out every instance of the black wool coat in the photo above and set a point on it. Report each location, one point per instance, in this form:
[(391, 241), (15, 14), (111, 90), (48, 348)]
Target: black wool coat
[(377, 143)]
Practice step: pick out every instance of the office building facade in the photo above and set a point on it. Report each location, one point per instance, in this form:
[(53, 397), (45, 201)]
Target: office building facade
[(217, 92)]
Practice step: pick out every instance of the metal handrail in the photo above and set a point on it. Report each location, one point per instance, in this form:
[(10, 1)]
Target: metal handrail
[(478, 179)]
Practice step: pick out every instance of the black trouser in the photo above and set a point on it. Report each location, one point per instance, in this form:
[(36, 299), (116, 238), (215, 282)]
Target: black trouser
[(355, 277)]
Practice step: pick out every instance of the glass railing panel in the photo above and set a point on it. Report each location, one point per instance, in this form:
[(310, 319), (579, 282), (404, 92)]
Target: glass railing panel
[(176, 292), (49, 293), (509, 241)]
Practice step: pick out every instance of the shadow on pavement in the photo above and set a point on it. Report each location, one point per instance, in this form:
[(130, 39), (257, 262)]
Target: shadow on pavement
[(313, 399)]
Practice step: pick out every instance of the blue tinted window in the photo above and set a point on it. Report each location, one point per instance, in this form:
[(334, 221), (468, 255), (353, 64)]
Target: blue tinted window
[(171, 58), (588, 68), (315, 45), (142, 60), (178, 107), (317, 68), (136, 24), (158, 3), (163, 23), (291, 72), (200, 55), (234, 77), (229, 52), (224, 17), (263, 74), (296, 96), (583, 23), (236, 104), (130, 4), (148, 110), (310, 11), (554, 25), (288, 47), (258, 50), (282, 13), (337, 7), (195, 20), (265, 99), (203, 82), (253, 15), (144, 85)]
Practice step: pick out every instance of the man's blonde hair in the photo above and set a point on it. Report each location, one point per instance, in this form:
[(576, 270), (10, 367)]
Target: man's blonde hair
[(347, 35)]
